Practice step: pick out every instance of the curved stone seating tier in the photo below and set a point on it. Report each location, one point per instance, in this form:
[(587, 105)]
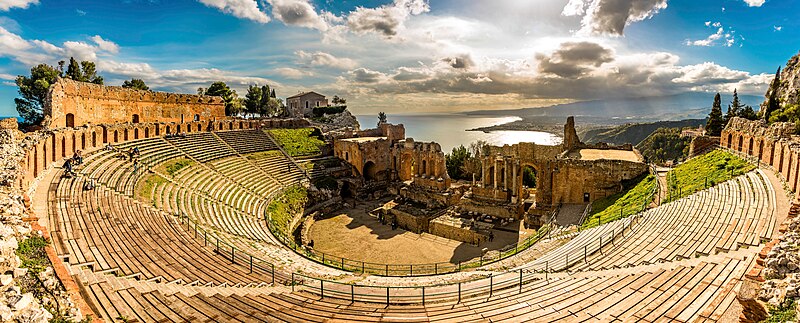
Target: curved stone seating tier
[(111, 232), (247, 141), (223, 189), (720, 219), (682, 293), (247, 174), (280, 167), (202, 146)]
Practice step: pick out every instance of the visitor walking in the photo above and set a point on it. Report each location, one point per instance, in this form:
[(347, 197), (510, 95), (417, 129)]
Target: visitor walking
[(68, 168)]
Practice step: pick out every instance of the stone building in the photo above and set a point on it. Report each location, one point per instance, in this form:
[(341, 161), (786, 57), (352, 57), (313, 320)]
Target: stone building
[(74, 104), (301, 104)]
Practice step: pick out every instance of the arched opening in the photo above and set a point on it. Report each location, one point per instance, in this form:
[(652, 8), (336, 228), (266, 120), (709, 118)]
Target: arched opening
[(105, 135), (73, 143), (179, 129), (370, 171), (730, 140), (63, 147), (35, 162), (241, 126), (147, 132), (780, 162), (220, 126), (168, 130), (306, 105), (44, 149), (502, 178), (347, 190), (760, 149), (94, 139), (196, 117), (135, 118), (70, 120), (489, 177), (750, 147), (230, 126), (346, 156), (529, 176), (125, 135), (136, 133), (199, 127), (772, 154), (53, 148), (83, 141), (741, 142), (116, 136), (158, 130), (424, 167)]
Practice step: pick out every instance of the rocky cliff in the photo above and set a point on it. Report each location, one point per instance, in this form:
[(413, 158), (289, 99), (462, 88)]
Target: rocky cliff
[(789, 87)]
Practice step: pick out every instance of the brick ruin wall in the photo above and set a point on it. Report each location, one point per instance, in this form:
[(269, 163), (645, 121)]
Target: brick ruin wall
[(774, 145), (77, 103)]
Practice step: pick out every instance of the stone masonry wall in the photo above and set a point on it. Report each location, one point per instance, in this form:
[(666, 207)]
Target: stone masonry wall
[(89, 103)]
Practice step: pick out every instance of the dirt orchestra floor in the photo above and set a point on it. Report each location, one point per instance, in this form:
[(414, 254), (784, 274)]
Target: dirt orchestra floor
[(356, 235)]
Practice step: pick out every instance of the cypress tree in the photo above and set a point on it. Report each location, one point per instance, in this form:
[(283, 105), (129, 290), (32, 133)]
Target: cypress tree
[(715, 124), (772, 103)]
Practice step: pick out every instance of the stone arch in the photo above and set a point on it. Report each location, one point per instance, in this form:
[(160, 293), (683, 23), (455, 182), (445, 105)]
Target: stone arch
[(424, 168), (750, 146), (70, 120), (741, 142), (199, 127), (370, 171), (760, 149), (116, 136), (147, 132), (230, 126), (529, 176), (178, 129), (241, 125), (53, 147), (772, 154), (135, 118), (125, 134), (105, 135), (83, 141), (135, 133), (94, 139), (489, 176), (730, 140)]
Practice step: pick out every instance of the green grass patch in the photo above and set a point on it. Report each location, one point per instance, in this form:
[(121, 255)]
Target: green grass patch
[(299, 142), (285, 206), (637, 192), (145, 188), (174, 167), (264, 154), (31, 252), (783, 313), (705, 171)]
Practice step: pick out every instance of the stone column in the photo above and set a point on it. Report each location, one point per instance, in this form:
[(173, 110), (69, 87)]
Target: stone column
[(505, 173), (483, 172), (514, 181), (496, 171)]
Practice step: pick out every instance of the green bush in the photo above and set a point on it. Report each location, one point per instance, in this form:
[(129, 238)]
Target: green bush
[(32, 253), (299, 142), (174, 167), (320, 111), (638, 193), (783, 313)]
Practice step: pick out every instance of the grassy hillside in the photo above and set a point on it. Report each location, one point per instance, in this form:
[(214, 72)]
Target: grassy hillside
[(299, 142), (285, 206), (705, 171), (634, 133), (638, 193), (663, 145)]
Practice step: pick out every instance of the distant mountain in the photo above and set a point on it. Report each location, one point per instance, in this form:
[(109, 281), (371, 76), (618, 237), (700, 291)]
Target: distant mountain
[(634, 133), (690, 105)]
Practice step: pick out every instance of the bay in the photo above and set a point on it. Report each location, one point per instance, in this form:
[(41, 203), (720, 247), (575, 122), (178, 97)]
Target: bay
[(450, 130)]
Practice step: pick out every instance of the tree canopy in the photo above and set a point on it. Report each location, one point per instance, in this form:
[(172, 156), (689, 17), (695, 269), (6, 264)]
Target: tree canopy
[(381, 118), (737, 109), (86, 71), (33, 93), (233, 106), (715, 121), (137, 84), (772, 103)]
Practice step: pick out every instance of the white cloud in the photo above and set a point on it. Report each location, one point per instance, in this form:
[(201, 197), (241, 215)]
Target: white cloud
[(754, 3), (611, 16), (325, 60), (5, 5), (298, 13), (245, 9), (293, 73), (80, 12), (721, 37), (386, 20), (105, 45), (8, 77), (777, 28)]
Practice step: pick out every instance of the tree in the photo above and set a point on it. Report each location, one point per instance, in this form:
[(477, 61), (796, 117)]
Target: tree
[(337, 101), (454, 162), (252, 99), (264, 108), (272, 95), (33, 93), (715, 124), (233, 106), (137, 84), (381, 118), (85, 71), (201, 91), (772, 103)]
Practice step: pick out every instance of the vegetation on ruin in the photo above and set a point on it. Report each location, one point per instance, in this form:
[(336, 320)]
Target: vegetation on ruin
[(782, 313), (263, 154), (233, 106), (299, 142), (285, 206), (462, 162), (705, 171), (145, 189), (321, 111), (665, 144), (261, 101), (32, 254), (634, 198)]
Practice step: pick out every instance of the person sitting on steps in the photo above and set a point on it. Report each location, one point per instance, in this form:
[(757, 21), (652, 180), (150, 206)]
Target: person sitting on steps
[(77, 158), (88, 186), (68, 168)]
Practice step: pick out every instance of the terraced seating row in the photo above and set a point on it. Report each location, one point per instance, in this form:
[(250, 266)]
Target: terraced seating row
[(247, 141), (277, 164), (720, 219), (112, 232), (701, 291), (252, 177), (202, 146)]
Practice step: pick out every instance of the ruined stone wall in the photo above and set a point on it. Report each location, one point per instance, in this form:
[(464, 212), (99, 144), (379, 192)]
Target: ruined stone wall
[(77, 103), (774, 145), (597, 178), (701, 144), (450, 230)]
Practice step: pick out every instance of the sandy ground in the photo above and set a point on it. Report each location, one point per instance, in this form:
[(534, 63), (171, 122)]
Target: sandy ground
[(595, 154), (355, 235)]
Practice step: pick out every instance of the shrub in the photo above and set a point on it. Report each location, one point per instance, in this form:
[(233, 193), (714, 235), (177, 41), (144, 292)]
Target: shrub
[(299, 142)]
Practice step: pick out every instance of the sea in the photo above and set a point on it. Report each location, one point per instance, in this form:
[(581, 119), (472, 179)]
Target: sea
[(450, 130)]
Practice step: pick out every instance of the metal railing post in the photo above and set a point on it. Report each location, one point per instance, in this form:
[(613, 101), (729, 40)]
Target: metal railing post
[(251, 264), (322, 288), (520, 280), (459, 292), (273, 273), (387, 295), (352, 294), (423, 295)]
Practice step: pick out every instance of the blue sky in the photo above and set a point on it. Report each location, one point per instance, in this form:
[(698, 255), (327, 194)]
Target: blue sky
[(412, 56)]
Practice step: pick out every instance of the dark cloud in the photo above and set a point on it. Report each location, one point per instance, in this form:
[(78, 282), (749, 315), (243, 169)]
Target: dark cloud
[(459, 62), (385, 20), (612, 16), (363, 75), (574, 59)]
